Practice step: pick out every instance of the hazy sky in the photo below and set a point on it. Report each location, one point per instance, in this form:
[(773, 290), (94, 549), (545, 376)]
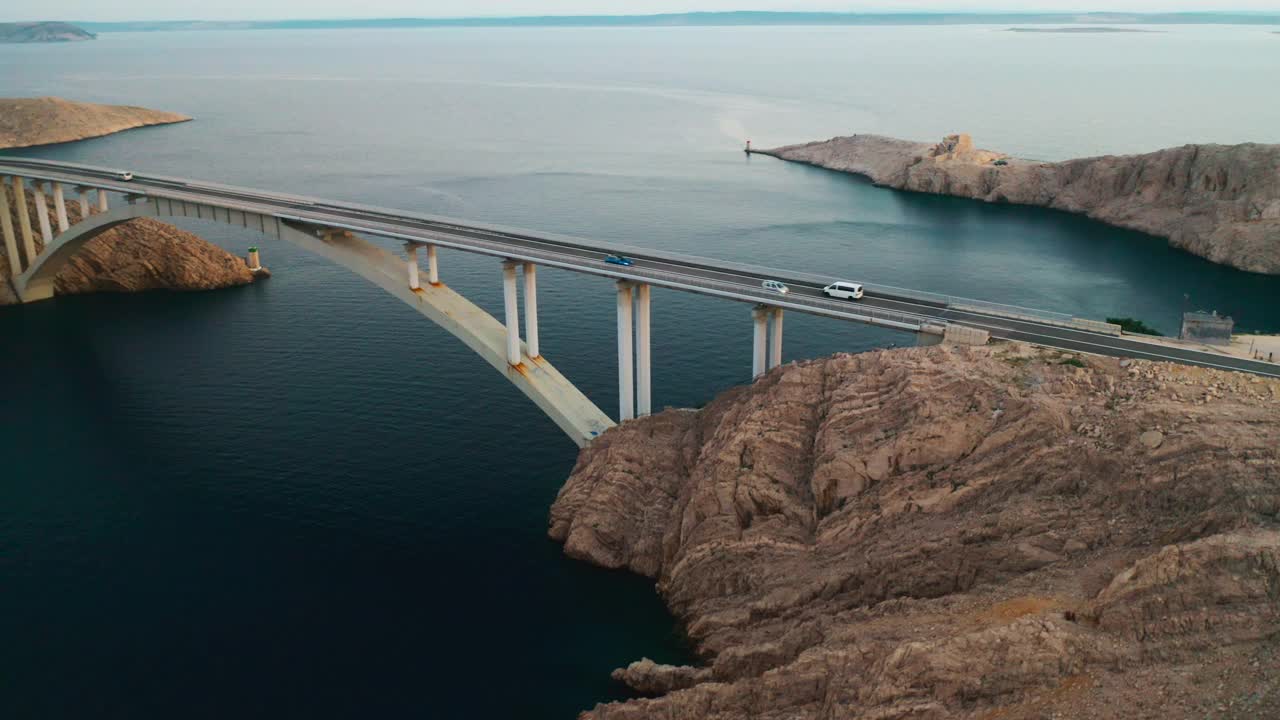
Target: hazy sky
[(284, 9)]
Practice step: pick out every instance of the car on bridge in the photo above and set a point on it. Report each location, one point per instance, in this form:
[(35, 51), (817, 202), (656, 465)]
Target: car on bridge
[(844, 290), (775, 286), (124, 175), (619, 260)]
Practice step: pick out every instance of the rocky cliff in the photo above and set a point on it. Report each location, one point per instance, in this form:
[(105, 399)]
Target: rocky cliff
[(1221, 202), (951, 532), (41, 121), (142, 254), (42, 32)]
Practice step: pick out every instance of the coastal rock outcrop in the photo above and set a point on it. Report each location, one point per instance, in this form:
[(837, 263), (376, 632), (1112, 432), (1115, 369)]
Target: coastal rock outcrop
[(142, 254), (951, 532), (1221, 202), (25, 122)]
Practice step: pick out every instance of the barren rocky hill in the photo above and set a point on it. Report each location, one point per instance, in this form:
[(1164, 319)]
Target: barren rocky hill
[(41, 121), (142, 254), (1221, 202), (952, 532)]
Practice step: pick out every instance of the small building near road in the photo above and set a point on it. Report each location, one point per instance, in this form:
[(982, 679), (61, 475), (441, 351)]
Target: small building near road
[(1210, 328)]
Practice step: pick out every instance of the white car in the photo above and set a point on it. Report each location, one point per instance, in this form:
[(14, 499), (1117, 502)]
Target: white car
[(124, 175), (775, 286), (843, 290)]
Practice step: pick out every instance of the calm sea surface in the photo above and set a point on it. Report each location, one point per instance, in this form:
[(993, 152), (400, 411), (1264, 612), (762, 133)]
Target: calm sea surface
[(300, 499)]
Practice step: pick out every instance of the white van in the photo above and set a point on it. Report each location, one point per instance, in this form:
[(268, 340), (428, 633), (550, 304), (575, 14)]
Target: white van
[(843, 290)]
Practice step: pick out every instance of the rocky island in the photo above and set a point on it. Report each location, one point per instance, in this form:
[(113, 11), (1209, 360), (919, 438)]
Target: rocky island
[(43, 32), (951, 532), (142, 254), (25, 122), (1221, 202)]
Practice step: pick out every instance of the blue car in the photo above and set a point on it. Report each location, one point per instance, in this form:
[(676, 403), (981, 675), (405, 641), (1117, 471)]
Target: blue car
[(618, 260)]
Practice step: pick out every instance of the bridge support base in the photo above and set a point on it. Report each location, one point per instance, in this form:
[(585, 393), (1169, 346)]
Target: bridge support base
[(644, 403), (60, 207), (42, 216), (512, 317), (102, 200), (433, 274), (531, 310), (775, 339), (626, 379), (6, 227), (411, 251), (759, 340), (24, 219)]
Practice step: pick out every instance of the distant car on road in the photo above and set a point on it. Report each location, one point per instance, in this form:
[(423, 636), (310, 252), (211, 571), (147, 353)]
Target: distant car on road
[(124, 175), (619, 260), (775, 286), (844, 290)]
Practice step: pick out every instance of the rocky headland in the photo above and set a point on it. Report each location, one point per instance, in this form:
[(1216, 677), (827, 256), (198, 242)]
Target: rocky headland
[(1221, 202), (983, 533), (25, 122), (141, 254), (43, 32)]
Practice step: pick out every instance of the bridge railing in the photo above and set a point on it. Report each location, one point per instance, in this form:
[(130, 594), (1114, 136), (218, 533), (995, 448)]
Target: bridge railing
[(1014, 312)]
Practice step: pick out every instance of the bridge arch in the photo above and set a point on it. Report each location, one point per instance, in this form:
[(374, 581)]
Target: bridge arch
[(572, 411)]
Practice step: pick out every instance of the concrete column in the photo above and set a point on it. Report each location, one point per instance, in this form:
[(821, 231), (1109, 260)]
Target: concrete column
[(42, 214), (411, 255), (6, 228), (60, 207), (433, 274), (531, 309), (759, 340), (24, 219), (102, 200), (512, 312), (644, 404), (626, 381), (775, 340), (84, 202)]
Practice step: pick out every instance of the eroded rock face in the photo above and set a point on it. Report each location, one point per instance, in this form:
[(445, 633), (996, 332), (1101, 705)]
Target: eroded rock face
[(951, 532), (1221, 202), (142, 254)]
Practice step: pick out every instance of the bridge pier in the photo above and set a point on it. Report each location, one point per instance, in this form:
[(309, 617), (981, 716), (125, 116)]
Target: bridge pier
[(24, 218), (42, 214), (83, 192), (759, 340), (531, 309), (644, 404), (60, 207), (411, 251), (102, 200), (775, 339), (512, 311), (433, 274), (6, 227), (626, 379)]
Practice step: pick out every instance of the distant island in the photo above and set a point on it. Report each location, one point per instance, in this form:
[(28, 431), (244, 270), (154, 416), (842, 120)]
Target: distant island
[(1081, 30), (42, 32), (702, 19), (46, 120), (1221, 202)]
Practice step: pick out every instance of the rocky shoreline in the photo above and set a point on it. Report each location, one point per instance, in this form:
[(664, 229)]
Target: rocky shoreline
[(26, 122), (951, 532), (1221, 202)]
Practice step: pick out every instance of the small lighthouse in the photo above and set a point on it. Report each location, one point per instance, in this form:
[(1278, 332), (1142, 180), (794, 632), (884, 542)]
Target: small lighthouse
[(747, 149)]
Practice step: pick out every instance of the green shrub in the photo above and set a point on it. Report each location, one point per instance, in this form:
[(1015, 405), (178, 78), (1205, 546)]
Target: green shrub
[(1130, 325)]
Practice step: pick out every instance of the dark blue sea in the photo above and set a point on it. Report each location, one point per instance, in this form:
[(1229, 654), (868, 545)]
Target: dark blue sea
[(300, 499)]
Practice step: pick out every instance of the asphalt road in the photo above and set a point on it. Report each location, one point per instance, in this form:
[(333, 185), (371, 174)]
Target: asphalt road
[(900, 309)]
